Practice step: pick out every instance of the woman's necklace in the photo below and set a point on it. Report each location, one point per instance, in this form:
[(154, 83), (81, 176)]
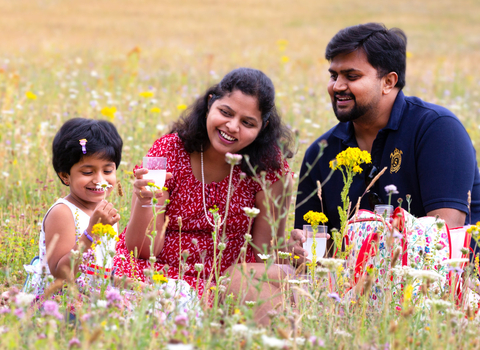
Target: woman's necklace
[(203, 195)]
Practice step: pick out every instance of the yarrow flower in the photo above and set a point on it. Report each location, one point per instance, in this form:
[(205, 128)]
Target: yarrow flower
[(351, 159), (233, 159), (391, 189), (314, 218), (425, 274), (273, 343), (251, 212), (24, 299), (331, 264)]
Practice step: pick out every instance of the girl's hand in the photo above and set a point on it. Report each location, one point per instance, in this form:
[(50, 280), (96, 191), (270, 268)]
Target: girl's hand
[(144, 196), (104, 213)]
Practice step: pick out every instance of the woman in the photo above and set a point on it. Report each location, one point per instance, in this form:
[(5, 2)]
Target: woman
[(236, 116)]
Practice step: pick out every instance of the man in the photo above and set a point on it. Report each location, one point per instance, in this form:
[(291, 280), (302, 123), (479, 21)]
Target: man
[(427, 151)]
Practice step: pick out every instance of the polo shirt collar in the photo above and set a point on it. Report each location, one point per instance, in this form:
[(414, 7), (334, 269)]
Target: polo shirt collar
[(346, 132)]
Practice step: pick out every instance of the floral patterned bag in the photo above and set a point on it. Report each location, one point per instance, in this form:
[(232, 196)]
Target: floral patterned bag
[(426, 247)]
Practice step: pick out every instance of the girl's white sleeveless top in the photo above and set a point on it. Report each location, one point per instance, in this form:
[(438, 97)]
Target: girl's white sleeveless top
[(103, 252)]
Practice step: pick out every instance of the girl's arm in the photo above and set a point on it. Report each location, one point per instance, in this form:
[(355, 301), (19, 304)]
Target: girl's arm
[(60, 236), (278, 198), (141, 217)]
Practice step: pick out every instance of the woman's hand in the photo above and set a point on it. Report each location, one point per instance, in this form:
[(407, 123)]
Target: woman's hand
[(144, 196), (295, 245)]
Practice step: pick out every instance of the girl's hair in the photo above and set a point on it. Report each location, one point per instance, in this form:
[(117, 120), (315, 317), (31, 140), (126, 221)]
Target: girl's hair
[(192, 125), (102, 139)]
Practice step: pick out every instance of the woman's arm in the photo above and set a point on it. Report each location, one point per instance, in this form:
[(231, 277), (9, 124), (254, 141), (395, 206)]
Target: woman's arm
[(135, 234), (273, 210)]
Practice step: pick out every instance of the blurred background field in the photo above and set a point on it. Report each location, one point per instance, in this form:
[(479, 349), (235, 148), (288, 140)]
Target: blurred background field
[(62, 58)]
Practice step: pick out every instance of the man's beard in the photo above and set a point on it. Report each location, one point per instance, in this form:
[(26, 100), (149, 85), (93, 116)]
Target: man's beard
[(352, 114)]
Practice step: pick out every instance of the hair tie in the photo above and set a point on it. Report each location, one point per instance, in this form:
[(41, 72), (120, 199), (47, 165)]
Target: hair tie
[(83, 142)]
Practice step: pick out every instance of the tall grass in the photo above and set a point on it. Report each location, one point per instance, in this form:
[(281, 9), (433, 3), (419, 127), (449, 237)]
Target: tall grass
[(78, 57)]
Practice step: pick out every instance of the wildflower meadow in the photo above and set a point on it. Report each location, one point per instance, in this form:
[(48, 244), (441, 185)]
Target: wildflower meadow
[(139, 64)]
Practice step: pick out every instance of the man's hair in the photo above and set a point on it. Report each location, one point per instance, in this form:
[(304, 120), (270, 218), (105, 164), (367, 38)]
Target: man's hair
[(385, 48)]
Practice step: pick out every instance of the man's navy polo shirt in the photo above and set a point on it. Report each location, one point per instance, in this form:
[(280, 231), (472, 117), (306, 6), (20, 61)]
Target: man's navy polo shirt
[(427, 152)]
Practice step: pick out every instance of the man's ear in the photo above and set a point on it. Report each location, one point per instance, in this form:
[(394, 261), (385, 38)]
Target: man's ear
[(389, 82)]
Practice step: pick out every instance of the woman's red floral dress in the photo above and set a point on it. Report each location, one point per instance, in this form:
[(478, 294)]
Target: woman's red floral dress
[(186, 202)]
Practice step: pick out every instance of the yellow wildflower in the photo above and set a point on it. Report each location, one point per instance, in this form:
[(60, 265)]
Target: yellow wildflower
[(109, 112), (102, 230), (155, 110), (314, 218), (158, 278), (146, 94), (182, 107), (351, 159), (30, 95), (408, 293), (285, 59)]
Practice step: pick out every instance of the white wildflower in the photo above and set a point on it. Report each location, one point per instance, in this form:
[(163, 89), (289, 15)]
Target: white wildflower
[(391, 189), (425, 274), (251, 212), (331, 264), (284, 255), (103, 185), (239, 329), (101, 303), (439, 303), (272, 342), (199, 267), (264, 257), (180, 347), (342, 333), (24, 299), (233, 159), (250, 303), (454, 262)]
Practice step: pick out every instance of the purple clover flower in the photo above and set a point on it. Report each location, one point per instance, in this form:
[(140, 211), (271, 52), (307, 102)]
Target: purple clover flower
[(335, 297)]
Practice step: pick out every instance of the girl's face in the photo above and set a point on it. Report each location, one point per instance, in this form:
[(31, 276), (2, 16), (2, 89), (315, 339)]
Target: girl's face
[(86, 176), (233, 122)]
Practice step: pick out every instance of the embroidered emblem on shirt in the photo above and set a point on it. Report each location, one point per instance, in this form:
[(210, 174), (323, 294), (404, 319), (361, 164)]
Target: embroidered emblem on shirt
[(396, 157)]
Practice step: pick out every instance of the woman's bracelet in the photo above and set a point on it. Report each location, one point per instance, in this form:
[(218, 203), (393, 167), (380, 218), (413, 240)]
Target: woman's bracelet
[(90, 238)]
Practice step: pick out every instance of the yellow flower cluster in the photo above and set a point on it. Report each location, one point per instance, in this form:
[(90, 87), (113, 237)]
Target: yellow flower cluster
[(314, 218), (351, 159), (102, 230), (474, 231), (158, 278)]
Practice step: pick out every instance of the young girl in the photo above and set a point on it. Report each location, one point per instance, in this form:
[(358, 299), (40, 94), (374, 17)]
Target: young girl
[(86, 155), (236, 116)]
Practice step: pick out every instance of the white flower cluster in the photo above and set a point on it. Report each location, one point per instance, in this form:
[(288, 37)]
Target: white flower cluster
[(331, 264), (298, 282), (401, 271), (454, 262), (251, 212), (424, 274), (439, 303)]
